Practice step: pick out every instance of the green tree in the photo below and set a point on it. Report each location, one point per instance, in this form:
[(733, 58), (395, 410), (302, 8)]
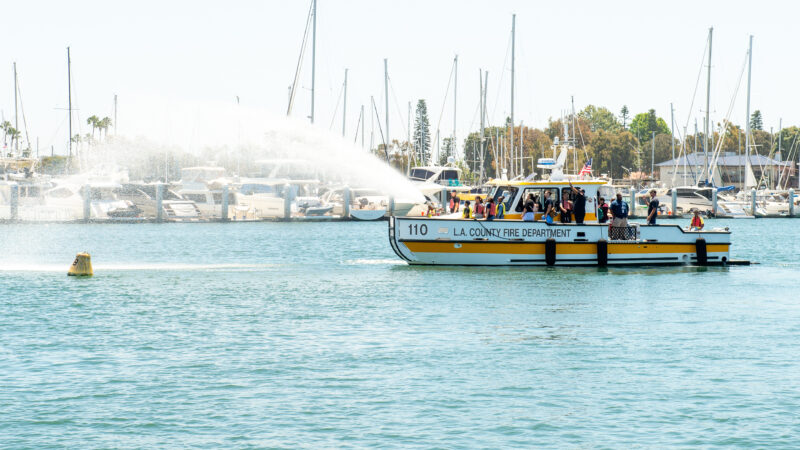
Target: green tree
[(623, 113), (422, 133), (789, 139), (611, 152), (447, 150), (599, 118), (472, 154), (94, 121), (104, 124), (644, 124), (53, 165), (10, 135), (756, 121)]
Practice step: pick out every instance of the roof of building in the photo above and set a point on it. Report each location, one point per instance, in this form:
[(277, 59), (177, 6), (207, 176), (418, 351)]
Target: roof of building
[(726, 159)]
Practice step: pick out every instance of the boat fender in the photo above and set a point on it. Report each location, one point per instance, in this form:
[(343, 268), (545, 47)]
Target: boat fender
[(550, 251), (702, 251), (602, 253)]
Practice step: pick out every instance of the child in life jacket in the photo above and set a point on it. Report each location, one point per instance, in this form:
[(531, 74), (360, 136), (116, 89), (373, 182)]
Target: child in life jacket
[(697, 222)]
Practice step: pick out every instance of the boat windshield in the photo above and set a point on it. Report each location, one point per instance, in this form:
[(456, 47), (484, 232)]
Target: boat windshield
[(421, 174), (250, 189)]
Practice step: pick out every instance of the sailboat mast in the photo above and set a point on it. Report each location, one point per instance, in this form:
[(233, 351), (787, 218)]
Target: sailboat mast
[(115, 114), (386, 94), (672, 120), (455, 97), (69, 100), (313, 54), (409, 147), (344, 107), (747, 168), (363, 125), (16, 118), (708, 106), (483, 141), (513, 48), (483, 123)]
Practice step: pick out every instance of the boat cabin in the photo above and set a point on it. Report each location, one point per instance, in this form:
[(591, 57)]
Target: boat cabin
[(515, 192)]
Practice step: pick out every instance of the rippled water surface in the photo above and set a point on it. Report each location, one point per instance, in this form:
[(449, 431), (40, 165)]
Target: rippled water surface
[(315, 335)]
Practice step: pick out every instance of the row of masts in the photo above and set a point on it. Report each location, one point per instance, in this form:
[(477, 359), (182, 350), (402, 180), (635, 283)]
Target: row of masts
[(508, 157)]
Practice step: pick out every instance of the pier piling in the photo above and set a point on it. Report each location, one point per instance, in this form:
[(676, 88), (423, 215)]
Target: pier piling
[(14, 212), (287, 201), (753, 202), (224, 212), (714, 202), (674, 202), (791, 202), (391, 205), (159, 202), (346, 199)]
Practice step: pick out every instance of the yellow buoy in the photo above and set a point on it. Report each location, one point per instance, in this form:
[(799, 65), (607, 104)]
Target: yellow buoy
[(82, 266)]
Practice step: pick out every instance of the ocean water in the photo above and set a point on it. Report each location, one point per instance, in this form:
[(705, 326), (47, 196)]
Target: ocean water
[(316, 335)]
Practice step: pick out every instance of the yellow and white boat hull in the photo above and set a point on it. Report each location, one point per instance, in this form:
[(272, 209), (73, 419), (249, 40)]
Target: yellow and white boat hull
[(513, 242)]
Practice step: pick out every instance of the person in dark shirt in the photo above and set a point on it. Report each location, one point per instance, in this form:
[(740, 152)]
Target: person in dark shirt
[(619, 209), (528, 209), (566, 210), (548, 207), (578, 203), (652, 208), (602, 210)]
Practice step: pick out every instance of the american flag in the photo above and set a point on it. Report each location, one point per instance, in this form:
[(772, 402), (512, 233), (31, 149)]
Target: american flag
[(587, 168)]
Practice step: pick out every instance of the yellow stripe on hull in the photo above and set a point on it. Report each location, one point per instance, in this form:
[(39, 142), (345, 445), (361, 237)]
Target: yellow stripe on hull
[(534, 248)]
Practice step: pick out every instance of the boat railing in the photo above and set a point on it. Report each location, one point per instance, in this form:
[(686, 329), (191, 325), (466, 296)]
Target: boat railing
[(629, 233)]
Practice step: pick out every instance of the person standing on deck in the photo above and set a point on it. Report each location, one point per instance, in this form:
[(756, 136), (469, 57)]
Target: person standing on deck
[(548, 207), (619, 212), (697, 221), (478, 211), (490, 208), (467, 214), (602, 210), (652, 208), (566, 210), (528, 209), (578, 203), (501, 208)]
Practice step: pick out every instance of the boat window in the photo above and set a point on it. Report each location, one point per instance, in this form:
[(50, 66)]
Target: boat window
[(538, 197), (30, 191), (170, 195), (420, 174), (218, 198), (705, 193), (508, 193), (250, 189), (197, 198), (449, 175)]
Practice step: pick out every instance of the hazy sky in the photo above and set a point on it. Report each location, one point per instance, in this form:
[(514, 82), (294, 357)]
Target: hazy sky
[(643, 54)]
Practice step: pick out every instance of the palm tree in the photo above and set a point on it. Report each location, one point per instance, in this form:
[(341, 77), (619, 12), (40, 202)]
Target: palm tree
[(94, 122), (104, 124)]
